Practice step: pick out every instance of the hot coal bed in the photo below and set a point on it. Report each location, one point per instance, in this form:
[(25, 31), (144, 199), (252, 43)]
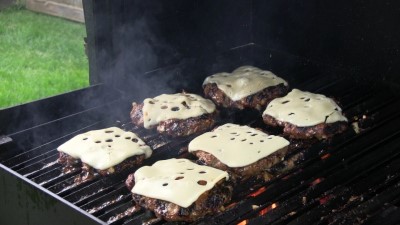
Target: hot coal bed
[(348, 50)]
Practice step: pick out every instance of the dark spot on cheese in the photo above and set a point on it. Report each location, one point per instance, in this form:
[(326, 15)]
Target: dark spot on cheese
[(202, 182)]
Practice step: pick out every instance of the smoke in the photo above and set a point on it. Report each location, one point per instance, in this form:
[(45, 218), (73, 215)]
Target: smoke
[(140, 51)]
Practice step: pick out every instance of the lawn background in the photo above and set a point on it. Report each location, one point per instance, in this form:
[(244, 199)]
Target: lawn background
[(40, 56)]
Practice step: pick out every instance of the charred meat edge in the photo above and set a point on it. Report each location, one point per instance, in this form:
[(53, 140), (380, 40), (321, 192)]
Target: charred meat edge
[(176, 127), (319, 131), (209, 203), (71, 162), (257, 100), (256, 169)]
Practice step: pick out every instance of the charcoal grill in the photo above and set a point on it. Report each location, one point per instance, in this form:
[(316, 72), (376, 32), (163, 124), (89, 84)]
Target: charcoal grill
[(348, 50)]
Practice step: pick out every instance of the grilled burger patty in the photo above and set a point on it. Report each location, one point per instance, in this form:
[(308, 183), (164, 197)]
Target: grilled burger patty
[(306, 115), (319, 131), (70, 162), (210, 202), (242, 151), (258, 100), (257, 169), (176, 127), (105, 151)]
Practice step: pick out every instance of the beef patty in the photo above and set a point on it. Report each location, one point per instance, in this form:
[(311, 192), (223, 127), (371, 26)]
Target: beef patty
[(70, 162), (256, 101), (319, 131), (258, 169), (209, 203), (176, 127)]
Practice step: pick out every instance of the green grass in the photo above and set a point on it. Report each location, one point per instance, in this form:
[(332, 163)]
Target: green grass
[(40, 56)]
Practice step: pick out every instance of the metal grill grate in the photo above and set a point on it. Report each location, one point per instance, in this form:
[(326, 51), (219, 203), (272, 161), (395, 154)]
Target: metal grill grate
[(353, 178)]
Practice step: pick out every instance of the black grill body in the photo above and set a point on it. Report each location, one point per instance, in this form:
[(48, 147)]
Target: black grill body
[(139, 49)]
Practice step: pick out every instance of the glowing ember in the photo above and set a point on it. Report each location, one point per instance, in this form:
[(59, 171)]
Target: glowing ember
[(325, 156), (324, 199), (244, 222), (267, 209), (258, 192), (264, 211), (316, 181)]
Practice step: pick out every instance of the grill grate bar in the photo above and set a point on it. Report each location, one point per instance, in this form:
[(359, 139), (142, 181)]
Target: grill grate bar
[(113, 209), (368, 207), (86, 195), (33, 160), (116, 210), (40, 167), (151, 136), (49, 184), (43, 168), (315, 85), (371, 105), (340, 88), (368, 192), (19, 161), (318, 190), (342, 177), (106, 197), (47, 176), (319, 194), (388, 213), (79, 190), (112, 195), (291, 184)]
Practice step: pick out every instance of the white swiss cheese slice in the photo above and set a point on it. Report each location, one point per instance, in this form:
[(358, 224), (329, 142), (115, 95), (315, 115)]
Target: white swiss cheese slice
[(105, 148), (179, 181), (244, 81), (238, 146), (174, 106), (304, 109)]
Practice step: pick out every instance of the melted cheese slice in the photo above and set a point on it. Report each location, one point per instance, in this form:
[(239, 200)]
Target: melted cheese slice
[(179, 181), (102, 149), (237, 146), (244, 81), (304, 109), (174, 106)]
